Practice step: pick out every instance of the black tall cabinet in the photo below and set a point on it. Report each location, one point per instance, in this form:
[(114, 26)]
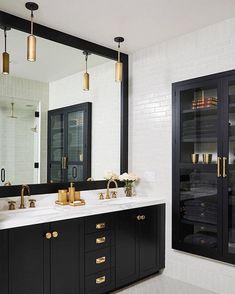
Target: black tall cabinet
[(204, 166), (69, 143)]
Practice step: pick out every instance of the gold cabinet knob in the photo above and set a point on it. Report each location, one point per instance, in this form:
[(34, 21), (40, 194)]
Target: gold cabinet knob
[(138, 217), (55, 234), (48, 235), (142, 217)]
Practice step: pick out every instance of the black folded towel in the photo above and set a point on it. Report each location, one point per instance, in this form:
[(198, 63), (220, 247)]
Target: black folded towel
[(202, 218), (206, 239)]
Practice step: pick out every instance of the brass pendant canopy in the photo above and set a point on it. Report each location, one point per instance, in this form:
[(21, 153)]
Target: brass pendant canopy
[(31, 39), (5, 55), (118, 65), (86, 76)]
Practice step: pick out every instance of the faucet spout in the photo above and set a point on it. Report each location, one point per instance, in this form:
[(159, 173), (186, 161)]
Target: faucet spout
[(108, 187), (23, 188)]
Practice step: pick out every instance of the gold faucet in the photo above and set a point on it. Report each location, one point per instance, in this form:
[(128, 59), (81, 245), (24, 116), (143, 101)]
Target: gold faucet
[(109, 182), (22, 205)]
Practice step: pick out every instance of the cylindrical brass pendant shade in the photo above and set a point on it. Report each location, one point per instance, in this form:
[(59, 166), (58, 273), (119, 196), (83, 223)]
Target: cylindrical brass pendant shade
[(118, 71), (5, 63), (86, 81), (31, 48)]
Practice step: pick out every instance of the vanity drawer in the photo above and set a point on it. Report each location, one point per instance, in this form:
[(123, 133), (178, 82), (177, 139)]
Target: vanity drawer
[(98, 283), (98, 223), (97, 261), (97, 241)]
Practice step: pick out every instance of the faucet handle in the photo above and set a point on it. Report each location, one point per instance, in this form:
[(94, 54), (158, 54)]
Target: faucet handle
[(12, 205), (114, 194), (32, 203), (101, 196)]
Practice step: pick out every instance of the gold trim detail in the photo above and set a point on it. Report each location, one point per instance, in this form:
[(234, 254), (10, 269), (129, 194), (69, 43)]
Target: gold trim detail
[(100, 226)]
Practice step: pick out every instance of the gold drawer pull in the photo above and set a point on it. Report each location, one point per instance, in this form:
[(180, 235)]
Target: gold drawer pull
[(100, 260), (224, 167), (100, 226), (100, 240), (218, 167), (100, 280), (48, 236)]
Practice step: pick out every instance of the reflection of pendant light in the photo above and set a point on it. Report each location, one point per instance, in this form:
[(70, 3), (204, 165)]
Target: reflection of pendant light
[(86, 77), (118, 65), (12, 110), (31, 40), (5, 55)]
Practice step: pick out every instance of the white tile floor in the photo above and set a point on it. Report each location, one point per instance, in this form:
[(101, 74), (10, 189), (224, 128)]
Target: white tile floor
[(162, 285)]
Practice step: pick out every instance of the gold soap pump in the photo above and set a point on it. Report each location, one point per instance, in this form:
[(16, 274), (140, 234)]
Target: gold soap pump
[(71, 193)]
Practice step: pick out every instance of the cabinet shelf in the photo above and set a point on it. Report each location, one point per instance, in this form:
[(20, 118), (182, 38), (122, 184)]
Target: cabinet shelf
[(199, 166), (201, 111), (188, 222)]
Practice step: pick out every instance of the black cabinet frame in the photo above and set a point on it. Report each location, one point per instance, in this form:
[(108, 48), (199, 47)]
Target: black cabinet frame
[(23, 25), (221, 80)]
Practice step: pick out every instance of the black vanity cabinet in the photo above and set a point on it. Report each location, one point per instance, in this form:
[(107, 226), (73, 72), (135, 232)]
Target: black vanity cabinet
[(89, 255), (42, 259), (140, 235), (204, 166), (69, 143)]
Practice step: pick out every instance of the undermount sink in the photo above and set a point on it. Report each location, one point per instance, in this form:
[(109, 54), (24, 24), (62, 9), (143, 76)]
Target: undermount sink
[(18, 213)]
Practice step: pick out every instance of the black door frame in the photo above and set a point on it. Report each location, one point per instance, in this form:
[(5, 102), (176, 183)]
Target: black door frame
[(23, 25)]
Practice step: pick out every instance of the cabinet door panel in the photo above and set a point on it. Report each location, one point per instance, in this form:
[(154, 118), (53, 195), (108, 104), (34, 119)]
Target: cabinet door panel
[(126, 248), (4, 262), (149, 241), (65, 257), (26, 256)]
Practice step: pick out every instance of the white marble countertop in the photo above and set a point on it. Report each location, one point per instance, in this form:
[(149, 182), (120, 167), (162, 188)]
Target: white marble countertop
[(52, 212)]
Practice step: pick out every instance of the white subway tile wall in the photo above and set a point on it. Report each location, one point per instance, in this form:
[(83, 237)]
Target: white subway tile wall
[(152, 71)]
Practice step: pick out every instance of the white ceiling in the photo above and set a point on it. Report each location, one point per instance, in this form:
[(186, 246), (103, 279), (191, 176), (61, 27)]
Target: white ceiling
[(54, 61), (142, 23)]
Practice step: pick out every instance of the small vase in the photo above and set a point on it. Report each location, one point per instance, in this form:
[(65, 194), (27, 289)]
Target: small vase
[(128, 191)]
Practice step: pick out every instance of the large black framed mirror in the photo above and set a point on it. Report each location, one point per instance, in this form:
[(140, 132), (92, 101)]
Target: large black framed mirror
[(55, 82)]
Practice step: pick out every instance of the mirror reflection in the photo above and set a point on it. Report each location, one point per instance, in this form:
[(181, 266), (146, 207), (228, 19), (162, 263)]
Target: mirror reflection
[(54, 125)]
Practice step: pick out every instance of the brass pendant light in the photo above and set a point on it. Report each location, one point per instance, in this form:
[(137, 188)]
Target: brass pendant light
[(118, 65), (31, 39), (86, 76), (5, 55)]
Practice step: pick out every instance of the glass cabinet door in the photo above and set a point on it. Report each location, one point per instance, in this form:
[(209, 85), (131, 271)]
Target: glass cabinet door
[(198, 146), (229, 167), (57, 155), (75, 146)]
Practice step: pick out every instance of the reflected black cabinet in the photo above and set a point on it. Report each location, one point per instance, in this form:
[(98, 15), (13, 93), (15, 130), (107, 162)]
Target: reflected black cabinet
[(140, 247), (69, 143), (204, 166)]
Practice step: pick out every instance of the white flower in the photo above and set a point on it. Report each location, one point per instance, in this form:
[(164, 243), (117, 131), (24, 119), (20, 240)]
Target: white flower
[(128, 177), (111, 175)]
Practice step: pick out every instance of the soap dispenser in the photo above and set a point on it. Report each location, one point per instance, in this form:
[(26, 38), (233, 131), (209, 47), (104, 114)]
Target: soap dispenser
[(71, 193)]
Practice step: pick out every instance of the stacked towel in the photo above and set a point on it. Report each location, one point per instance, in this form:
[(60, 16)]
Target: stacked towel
[(206, 239), (203, 209), (201, 127)]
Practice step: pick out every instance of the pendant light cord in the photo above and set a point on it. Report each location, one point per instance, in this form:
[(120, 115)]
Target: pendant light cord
[(119, 52), (86, 58), (31, 22), (5, 39)]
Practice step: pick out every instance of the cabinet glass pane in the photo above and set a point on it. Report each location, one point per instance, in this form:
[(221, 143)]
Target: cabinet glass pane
[(232, 122), (198, 207), (57, 137), (198, 125), (231, 213), (56, 173), (75, 136)]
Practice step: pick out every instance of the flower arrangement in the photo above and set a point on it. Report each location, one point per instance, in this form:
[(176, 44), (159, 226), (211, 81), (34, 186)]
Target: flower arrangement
[(129, 180), (111, 175)]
